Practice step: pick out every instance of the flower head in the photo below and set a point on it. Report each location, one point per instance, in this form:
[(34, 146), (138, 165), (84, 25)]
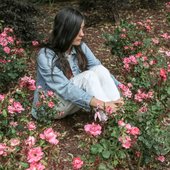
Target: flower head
[(77, 163)]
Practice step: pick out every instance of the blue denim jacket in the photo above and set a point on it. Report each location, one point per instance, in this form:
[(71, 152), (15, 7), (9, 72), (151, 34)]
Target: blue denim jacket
[(59, 83)]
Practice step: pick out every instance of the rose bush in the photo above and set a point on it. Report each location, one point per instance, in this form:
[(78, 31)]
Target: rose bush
[(24, 143), (138, 133), (12, 59)]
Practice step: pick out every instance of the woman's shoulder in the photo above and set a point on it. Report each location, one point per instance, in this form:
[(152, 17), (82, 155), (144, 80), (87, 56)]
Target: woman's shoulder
[(45, 57), (46, 51)]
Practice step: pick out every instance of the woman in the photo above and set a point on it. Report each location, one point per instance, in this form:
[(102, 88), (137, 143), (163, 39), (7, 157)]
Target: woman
[(68, 67)]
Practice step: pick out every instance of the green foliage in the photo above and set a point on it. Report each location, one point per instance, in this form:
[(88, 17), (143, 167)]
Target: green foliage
[(12, 59), (46, 107), (146, 100), (20, 16)]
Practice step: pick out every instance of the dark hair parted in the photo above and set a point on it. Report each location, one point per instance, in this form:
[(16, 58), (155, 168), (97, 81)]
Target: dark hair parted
[(66, 27)]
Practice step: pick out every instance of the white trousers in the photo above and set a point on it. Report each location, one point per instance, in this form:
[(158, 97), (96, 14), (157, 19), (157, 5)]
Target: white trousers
[(97, 82)]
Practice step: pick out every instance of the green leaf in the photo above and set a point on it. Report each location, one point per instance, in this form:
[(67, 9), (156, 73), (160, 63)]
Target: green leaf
[(115, 162), (25, 165), (106, 154), (168, 90), (102, 167), (4, 113), (97, 148)]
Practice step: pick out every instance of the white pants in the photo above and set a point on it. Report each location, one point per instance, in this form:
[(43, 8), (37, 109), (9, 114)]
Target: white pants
[(97, 82)]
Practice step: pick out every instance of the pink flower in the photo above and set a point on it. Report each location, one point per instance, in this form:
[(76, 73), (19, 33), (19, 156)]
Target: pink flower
[(14, 124), (126, 141), (129, 85), (152, 62), (34, 155), (163, 74), (50, 136), (93, 129), (31, 126), (168, 68), (134, 131), (167, 53), (50, 93), (10, 39), (7, 50), (148, 28), (3, 148), (51, 104), (27, 82), (125, 90), (15, 108), (109, 110), (36, 166), (2, 97), (35, 43), (137, 43), (14, 142), (155, 40), (30, 141), (122, 36), (121, 123), (77, 163), (161, 158), (7, 29), (138, 154), (140, 96), (165, 36), (138, 55), (143, 109)]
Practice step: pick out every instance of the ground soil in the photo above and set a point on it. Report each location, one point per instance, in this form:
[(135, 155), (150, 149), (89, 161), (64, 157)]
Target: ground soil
[(73, 124)]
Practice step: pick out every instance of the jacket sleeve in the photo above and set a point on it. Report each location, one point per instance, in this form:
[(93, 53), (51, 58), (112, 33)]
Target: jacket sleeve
[(59, 83)]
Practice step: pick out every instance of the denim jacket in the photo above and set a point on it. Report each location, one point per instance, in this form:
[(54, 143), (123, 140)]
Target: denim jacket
[(59, 83)]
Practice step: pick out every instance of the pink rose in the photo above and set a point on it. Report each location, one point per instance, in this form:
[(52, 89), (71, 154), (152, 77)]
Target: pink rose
[(16, 107), (77, 163), (93, 129), (50, 136), (14, 142), (34, 155), (36, 166), (134, 131), (14, 124), (163, 74), (51, 104), (161, 158), (31, 126), (30, 141), (2, 97), (121, 123), (7, 50), (3, 148), (126, 141), (35, 43)]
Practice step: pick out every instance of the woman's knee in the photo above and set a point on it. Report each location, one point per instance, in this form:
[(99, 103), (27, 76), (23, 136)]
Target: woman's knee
[(100, 70), (90, 75)]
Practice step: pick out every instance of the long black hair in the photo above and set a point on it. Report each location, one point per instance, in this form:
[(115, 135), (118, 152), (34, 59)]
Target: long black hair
[(67, 24)]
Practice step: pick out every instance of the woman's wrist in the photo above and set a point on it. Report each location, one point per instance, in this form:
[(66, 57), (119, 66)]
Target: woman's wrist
[(97, 103)]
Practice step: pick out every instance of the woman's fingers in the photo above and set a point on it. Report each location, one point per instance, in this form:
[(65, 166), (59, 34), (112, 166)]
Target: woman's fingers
[(119, 102)]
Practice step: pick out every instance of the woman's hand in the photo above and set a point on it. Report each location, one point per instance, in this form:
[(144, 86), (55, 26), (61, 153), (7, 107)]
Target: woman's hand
[(114, 105)]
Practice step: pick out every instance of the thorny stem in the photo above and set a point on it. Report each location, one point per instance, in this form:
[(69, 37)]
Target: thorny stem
[(129, 162), (139, 162)]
